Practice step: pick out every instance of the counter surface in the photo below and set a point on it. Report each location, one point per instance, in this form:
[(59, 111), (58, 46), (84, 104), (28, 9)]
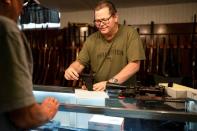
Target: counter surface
[(175, 110)]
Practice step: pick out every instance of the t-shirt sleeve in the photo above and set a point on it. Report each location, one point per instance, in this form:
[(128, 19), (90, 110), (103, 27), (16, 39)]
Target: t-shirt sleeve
[(135, 48), (84, 57), (15, 75)]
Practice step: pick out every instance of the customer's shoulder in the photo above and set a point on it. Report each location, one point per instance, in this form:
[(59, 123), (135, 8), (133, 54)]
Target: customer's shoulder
[(6, 22), (8, 25)]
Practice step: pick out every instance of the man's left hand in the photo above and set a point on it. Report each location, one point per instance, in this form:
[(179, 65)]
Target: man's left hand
[(100, 86)]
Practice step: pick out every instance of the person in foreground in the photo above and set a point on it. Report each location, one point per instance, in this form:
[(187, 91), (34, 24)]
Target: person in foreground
[(113, 52), (18, 110)]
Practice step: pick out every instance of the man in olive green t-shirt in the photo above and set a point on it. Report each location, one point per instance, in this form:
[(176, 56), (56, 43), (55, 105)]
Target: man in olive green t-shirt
[(113, 53)]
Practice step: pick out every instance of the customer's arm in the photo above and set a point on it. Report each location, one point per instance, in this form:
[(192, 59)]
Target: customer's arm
[(72, 72), (35, 114)]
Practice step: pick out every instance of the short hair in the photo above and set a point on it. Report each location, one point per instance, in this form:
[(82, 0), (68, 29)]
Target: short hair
[(105, 3)]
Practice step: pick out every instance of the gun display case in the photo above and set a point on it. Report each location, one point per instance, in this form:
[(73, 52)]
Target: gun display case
[(78, 106)]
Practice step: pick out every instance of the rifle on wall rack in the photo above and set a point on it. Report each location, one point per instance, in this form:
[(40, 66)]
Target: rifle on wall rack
[(155, 55), (151, 44), (194, 57), (165, 46), (149, 76), (171, 57), (160, 55)]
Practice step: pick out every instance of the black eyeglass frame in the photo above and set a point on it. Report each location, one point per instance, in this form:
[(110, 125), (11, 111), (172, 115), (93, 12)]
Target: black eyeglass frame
[(103, 20)]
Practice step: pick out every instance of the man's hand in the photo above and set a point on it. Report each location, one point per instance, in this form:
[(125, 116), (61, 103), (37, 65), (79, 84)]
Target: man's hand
[(84, 87), (35, 114), (50, 106), (71, 74), (100, 86)]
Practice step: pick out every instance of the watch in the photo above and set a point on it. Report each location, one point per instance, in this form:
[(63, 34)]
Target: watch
[(113, 80)]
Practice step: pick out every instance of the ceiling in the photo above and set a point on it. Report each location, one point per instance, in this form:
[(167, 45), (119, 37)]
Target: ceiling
[(79, 5)]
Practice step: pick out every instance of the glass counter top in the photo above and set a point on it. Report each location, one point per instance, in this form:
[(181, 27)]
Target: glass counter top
[(75, 109), (173, 109)]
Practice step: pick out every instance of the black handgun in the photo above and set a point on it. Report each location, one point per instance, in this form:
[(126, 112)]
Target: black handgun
[(88, 80)]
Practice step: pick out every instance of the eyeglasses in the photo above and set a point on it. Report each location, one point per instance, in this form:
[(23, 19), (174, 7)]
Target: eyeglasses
[(105, 21)]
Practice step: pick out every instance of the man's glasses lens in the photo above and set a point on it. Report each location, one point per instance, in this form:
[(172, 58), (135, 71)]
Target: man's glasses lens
[(104, 21)]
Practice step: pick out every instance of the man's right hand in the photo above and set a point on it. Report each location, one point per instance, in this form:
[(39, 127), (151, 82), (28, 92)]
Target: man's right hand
[(34, 115), (50, 106), (71, 74)]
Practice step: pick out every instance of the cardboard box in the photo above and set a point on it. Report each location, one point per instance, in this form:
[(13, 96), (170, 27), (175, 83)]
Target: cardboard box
[(106, 123), (177, 91), (192, 93), (85, 97), (176, 105)]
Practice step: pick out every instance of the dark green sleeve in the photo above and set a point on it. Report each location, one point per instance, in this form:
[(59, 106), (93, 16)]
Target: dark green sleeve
[(135, 48)]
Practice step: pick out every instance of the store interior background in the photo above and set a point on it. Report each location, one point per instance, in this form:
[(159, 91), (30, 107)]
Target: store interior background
[(166, 27)]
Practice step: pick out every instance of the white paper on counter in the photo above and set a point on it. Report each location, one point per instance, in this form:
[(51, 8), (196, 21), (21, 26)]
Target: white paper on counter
[(80, 93)]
